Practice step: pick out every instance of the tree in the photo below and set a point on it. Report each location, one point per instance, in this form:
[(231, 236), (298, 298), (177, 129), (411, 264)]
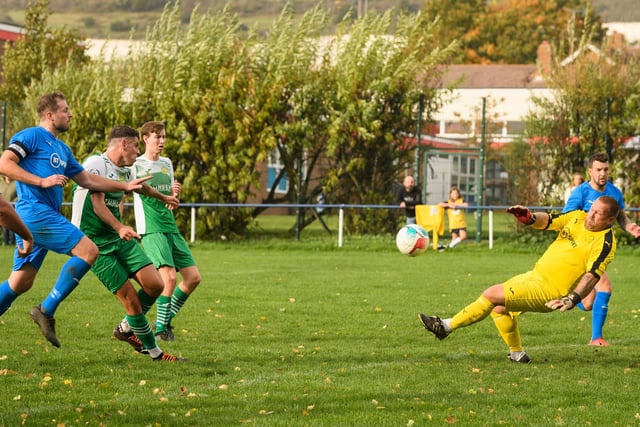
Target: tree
[(508, 31), (39, 52), (230, 100), (377, 82), (591, 110)]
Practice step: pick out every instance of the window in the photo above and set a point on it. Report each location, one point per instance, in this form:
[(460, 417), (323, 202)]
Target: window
[(274, 168)]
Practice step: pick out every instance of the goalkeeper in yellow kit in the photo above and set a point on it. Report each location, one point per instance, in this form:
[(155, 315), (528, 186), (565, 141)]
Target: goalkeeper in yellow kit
[(566, 273)]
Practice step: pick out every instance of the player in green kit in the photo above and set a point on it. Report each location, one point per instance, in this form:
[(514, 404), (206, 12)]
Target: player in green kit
[(161, 238), (121, 257)]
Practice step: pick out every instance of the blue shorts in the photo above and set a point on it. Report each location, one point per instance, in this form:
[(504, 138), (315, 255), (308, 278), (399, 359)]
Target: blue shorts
[(51, 232)]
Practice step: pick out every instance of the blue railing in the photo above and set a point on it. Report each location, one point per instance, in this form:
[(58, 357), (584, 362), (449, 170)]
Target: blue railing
[(341, 208)]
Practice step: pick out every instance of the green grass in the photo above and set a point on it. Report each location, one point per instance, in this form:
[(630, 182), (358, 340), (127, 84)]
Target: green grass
[(302, 333)]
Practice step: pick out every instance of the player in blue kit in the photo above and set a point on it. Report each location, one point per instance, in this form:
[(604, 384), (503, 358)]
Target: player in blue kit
[(41, 164), (581, 198)]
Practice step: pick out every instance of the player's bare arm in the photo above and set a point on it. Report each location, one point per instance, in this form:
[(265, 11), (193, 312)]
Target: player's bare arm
[(100, 208), (99, 183), (628, 225), (176, 188), (170, 200), (10, 219)]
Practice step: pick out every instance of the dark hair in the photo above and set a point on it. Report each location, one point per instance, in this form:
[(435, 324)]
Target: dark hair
[(151, 127), (49, 102), (598, 157), (123, 132)]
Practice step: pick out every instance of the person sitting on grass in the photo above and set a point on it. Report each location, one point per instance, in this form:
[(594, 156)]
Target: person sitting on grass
[(567, 271)]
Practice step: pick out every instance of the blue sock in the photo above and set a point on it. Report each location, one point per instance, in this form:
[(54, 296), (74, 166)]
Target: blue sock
[(70, 275), (580, 305), (599, 314), (7, 297)]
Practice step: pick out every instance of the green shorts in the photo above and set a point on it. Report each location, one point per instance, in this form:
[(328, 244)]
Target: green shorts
[(118, 261), (168, 249), (529, 292)]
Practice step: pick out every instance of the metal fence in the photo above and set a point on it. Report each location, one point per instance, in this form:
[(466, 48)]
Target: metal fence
[(480, 210)]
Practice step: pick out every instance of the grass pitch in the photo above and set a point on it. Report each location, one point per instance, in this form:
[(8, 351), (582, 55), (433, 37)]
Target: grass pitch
[(295, 333)]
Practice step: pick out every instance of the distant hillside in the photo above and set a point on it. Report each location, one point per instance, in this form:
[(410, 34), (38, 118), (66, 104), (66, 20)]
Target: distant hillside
[(618, 10), (105, 19)]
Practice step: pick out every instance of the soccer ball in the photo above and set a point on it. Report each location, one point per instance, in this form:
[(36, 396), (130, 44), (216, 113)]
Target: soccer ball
[(412, 240)]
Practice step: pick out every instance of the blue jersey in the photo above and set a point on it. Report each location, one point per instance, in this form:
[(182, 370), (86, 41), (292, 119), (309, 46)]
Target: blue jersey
[(41, 154), (584, 195)]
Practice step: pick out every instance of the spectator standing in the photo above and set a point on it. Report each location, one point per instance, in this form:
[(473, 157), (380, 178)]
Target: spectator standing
[(409, 196), (575, 181)]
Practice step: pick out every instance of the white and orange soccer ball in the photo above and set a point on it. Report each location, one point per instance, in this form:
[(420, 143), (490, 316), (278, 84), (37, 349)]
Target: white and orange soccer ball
[(412, 240)]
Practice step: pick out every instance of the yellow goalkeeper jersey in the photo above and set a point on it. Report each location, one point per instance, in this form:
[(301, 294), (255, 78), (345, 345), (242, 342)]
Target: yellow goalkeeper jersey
[(457, 218), (575, 251)]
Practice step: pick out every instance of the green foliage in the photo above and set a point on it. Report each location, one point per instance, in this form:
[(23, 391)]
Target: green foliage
[(377, 82), (335, 111), (522, 164), (198, 81), (593, 109), (507, 31), (28, 60)]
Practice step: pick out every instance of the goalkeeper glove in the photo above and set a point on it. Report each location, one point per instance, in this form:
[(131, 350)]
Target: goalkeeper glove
[(522, 214), (565, 303)]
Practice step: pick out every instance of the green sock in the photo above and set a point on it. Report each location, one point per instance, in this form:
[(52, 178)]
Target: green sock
[(146, 301), (163, 305), (177, 301), (140, 326)]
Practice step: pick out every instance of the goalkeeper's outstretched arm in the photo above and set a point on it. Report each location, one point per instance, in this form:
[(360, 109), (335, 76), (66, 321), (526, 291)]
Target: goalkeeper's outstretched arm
[(525, 216)]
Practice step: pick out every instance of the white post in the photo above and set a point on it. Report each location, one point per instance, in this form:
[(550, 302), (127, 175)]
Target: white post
[(340, 224), (490, 228), (193, 224)]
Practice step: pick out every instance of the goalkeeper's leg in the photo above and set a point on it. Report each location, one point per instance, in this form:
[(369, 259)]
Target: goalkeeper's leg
[(474, 312), (507, 324)]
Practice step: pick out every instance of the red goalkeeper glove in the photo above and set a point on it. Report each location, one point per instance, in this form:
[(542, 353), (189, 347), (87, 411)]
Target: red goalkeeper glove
[(522, 214)]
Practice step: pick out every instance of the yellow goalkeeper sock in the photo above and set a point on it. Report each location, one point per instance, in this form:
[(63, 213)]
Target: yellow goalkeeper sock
[(508, 330), (474, 312)]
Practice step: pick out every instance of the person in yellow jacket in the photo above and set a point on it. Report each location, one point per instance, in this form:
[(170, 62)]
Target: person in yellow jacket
[(455, 207)]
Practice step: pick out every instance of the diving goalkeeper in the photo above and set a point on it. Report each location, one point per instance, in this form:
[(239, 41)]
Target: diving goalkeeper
[(567, 271)]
